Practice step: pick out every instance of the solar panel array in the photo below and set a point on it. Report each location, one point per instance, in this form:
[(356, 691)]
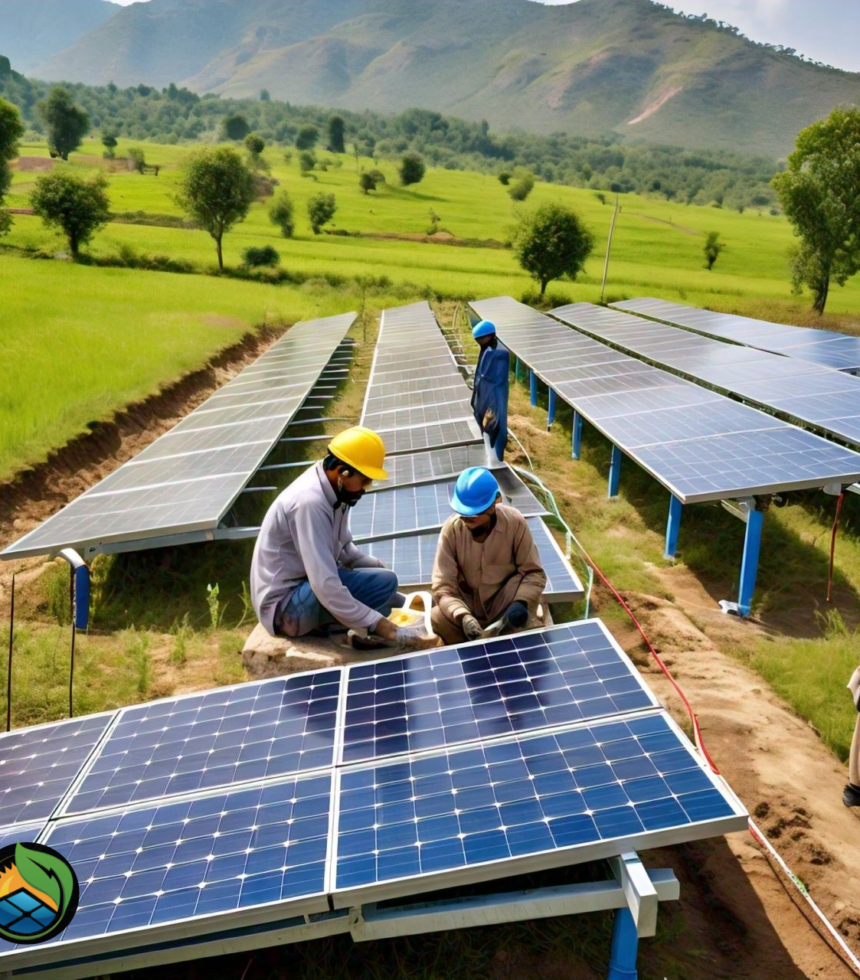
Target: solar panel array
[(206, 814), (699, 444), (825, 399), (189, 478), (826, 348)]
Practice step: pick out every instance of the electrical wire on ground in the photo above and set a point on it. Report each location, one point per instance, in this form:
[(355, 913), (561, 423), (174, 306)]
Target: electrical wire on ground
[(833, 545), (819, 922)]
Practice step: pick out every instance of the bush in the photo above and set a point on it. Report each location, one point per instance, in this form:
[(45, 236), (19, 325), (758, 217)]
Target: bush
[(282, 214), (137, 159), (366, 183), (522, 186), (321, 209), (258, 258), (504, 178), (412, 169), (307, 161)]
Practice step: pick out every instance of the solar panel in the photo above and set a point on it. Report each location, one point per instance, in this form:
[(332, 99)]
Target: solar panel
[(398, 512), (454, 408), (826, 348), (486, 689), (697, 455), (38, 765), (431, 466), (180, 867), (216, 739), (522, 804), (824, 399), (412, 559), (215, 452), (459, 432), (389, 401)]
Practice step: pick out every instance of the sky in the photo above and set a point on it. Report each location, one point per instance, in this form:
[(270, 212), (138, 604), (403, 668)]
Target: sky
[(823, 30)]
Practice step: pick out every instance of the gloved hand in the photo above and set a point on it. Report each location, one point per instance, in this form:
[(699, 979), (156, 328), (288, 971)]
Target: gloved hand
[(410, 638), (471, 627), (517, 615)]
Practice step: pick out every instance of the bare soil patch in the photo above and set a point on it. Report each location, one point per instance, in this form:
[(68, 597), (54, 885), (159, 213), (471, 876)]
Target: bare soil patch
[(33, 164)]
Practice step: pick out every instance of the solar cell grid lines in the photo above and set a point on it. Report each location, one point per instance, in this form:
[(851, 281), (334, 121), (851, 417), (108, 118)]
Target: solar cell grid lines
[(522, 804), (38, 765), (459, 432), (236, 429), (217, 739), (390, 401), (407, 416), (488, 689), (428, 467), (701, 465), (826, 348), (171, 862)]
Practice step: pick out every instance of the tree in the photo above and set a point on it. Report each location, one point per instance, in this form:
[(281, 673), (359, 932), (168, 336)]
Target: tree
[(109, 142), (11, 130), (552, 242), (504, 178), (412, 169), (713, 247), (281, 213), (66, 200), (366, 182), (216, 190), (255, 145), (235, 127), (137, 159), (307, 138), (67, 124), (264, 95), (818, 192), (522, 186), (307, 161), (321, 209), (336, 132)]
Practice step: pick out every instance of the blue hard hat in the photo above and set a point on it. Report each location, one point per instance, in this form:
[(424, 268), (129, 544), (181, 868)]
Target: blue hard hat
[(475, 491), (484, 329)]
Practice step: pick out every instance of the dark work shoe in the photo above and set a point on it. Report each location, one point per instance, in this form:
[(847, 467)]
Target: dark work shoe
[(851, 795)]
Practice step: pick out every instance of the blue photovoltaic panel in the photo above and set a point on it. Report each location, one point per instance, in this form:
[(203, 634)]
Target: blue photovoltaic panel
[(547, 799), (155, 866), (488, 689), (221, 738), (38, 765)]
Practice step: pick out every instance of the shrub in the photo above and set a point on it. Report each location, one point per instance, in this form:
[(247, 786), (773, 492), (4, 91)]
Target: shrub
[(282, 214), (412, 169), (257, 258), (321, 209)]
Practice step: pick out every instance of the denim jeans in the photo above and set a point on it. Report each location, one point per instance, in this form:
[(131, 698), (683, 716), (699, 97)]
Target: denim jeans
[(303, 612)]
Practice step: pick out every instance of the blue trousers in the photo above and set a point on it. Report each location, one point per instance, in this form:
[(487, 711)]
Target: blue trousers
[(303, 612)]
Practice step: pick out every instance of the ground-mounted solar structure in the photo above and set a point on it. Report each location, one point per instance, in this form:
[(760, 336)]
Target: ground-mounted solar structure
[(281, 810), (699, 444), (181, 488), (399, 521), (826, 348)]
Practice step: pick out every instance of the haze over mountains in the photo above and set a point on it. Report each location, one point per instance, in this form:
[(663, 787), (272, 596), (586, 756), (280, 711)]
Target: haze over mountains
[(590, 67)]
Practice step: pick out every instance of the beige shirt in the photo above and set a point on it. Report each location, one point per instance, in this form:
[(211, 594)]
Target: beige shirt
[(469, 576)]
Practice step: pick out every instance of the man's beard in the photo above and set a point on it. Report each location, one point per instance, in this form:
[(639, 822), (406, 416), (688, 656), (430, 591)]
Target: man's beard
[(349, 498)]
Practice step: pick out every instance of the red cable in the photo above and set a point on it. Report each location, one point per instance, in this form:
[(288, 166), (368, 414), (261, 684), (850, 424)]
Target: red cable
[(833, 544), (700, 742)]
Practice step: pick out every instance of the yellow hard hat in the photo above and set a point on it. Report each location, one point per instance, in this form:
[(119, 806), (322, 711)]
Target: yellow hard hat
[(362, 450)]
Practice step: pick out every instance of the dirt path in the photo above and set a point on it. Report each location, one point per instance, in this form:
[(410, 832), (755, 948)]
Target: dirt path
[(788, 779)]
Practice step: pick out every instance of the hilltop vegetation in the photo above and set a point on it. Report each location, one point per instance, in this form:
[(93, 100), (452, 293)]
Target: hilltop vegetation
[(628, 67), (174, 115)]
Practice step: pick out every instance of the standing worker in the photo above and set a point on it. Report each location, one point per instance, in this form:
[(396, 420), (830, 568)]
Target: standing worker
[(490, 394), (307, 573), (851, 793), (487, 566)]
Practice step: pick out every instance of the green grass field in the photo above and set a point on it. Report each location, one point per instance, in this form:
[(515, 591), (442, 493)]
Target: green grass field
[(657, 247)]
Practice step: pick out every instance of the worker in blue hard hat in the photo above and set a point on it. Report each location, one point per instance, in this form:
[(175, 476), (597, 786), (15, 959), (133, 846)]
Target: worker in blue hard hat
[(487, 566), (490, 394)]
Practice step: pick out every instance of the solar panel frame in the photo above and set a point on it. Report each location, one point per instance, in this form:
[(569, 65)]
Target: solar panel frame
[(357, 892)]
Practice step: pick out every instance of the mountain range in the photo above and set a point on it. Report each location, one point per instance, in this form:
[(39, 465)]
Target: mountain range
[(630, 67)]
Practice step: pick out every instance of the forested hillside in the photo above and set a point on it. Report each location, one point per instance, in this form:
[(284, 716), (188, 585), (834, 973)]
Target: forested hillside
[(631, 67)]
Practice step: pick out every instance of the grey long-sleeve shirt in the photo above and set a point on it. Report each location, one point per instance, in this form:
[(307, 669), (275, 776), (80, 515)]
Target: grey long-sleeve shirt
[(305, 535)]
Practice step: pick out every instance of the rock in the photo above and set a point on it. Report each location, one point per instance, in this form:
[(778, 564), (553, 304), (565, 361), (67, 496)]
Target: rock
[(267, 656)]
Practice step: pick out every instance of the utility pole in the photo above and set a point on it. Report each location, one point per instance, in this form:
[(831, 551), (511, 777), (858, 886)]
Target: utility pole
[(608, 250)]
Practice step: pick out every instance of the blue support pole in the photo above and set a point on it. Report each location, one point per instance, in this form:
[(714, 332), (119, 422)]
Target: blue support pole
[(625, 946), (673, 525), (576, 438), (518, 370), (749, 566), (550, 412), (533, 386), (615, 472)]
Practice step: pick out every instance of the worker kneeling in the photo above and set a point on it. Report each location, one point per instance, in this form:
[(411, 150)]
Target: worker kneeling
[(487, 566), (307, 573)]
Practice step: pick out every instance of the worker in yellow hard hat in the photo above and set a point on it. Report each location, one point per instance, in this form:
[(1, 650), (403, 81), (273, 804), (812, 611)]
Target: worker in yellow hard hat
[(307, 573)]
